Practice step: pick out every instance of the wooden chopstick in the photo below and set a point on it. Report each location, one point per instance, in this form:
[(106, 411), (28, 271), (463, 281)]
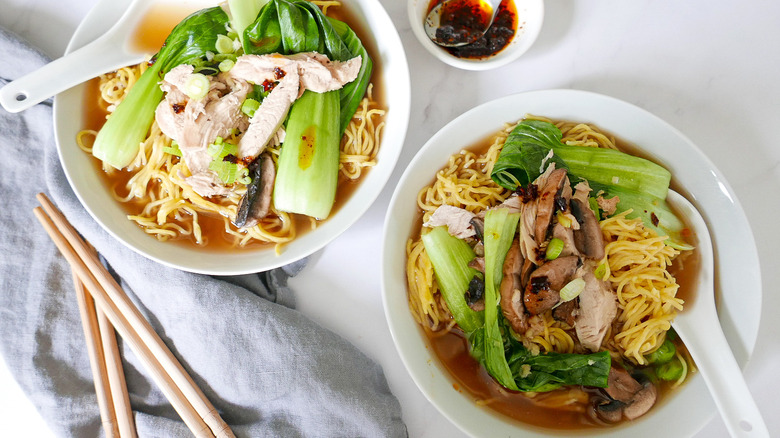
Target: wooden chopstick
[(188, 400), (112, 361), (116, 378), (89, 322)]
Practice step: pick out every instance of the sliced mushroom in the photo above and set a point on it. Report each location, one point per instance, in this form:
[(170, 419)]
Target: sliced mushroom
[(637, 398), (588, 239), (542, 290), (621, 386), (256, 202), (610, 411), (552, 196), (478, 263), (566, 312), (642, 402), (511, 289)]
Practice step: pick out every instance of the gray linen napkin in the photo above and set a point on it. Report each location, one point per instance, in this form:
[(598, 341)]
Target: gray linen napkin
[(268, 369)]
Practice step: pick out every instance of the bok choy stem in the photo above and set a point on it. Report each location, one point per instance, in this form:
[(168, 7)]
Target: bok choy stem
[(450, 257), (308, 166), (117, 143), (500, 229)]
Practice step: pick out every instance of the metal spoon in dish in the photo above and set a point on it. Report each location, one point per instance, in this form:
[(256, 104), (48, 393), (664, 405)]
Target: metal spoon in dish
[(699, 328), (454, 23), (109, 52)]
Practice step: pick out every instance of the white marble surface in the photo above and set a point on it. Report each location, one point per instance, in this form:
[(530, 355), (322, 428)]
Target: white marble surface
[(709, 69)]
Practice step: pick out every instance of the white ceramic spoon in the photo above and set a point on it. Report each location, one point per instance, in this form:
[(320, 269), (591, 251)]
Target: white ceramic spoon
[(699, 328), (109, 52)]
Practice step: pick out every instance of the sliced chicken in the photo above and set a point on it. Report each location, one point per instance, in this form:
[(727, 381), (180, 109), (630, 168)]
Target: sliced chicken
[(195, 124), (598, 308), (287, 77), (566, 235), (512, 290), (457, 220)]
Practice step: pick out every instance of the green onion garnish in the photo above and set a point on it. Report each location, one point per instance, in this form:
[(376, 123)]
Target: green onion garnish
[(572, 289), (249, 107), (224, 44), (197, 86), (554, 248), (226, 65), (173, 149)]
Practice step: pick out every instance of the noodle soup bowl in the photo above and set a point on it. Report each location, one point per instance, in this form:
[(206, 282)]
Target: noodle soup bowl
[(70, 115), (682, 412)]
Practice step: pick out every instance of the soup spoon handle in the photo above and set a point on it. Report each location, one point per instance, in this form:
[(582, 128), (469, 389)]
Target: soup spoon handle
[(711, 352), (109, 52)]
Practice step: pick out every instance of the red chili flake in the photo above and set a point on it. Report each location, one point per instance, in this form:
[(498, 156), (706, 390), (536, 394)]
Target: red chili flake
[(529, 193), (178, 108), (268, 85), (279, 73), (654, 219)]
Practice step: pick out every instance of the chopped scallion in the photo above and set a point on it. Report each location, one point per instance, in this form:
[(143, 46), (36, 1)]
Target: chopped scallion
[(221, 149), (600, 271), (249, 107), (572, 289), (224, 44), (196, 86), (564, 220), (226, 65), (554, 249), (173, 149)]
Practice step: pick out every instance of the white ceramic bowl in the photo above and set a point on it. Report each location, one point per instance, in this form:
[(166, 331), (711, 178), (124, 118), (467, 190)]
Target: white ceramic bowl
[(88, 185), (739, 304), (530, 15)]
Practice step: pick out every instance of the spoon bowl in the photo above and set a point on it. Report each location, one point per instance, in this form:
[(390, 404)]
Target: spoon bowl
[(700, 330), (455, 23)]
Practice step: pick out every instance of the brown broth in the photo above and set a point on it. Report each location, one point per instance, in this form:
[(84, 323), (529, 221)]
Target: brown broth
[(472, 379), (149, 36)]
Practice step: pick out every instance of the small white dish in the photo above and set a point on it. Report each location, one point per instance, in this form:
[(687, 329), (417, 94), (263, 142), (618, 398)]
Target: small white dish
[(89, 186), (738, 291), (530, 15)]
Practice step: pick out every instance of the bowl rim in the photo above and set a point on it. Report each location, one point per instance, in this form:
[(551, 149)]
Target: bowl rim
[(534, 17), (705, 185), (389, 54)]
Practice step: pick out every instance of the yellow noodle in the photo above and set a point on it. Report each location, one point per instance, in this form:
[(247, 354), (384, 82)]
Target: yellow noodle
[(171, 209)]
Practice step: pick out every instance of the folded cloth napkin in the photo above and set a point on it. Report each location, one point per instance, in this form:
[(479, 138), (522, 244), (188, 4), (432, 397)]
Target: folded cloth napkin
[(268, 369)]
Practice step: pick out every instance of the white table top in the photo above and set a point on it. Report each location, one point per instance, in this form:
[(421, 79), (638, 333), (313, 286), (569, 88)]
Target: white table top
[(709, 69)]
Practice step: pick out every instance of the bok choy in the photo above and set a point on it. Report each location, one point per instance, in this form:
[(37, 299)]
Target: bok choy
[(640, 184), (500, 228), (308, 162), (450, 258), (119, 140)]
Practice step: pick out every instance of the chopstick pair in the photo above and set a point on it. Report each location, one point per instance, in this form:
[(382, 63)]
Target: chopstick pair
[(186, 398), (110, 388)]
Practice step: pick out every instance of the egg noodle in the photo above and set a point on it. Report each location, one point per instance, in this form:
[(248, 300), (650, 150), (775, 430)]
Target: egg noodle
[(637, 260), (168, 208)]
